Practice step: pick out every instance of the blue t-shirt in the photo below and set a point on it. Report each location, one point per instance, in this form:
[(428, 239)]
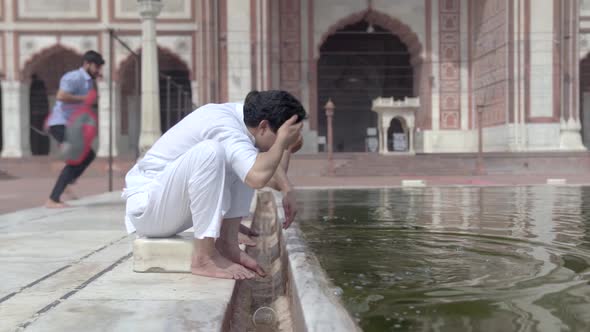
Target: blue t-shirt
[(76, 82)]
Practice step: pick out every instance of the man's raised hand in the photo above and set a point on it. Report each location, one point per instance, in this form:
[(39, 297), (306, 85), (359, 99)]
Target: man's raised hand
[(289, 132)]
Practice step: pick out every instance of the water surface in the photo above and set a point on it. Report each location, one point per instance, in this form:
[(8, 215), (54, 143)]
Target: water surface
[(456, 259)]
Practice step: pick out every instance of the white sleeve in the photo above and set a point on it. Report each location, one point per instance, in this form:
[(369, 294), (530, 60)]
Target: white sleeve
[(240, 152)]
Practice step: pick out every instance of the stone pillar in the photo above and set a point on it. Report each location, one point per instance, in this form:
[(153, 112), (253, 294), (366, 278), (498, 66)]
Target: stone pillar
[(586, 123), (104, 118), (571, 127), (411, 140), (195, 93), (385, 141), (150, 97), (15, 120)]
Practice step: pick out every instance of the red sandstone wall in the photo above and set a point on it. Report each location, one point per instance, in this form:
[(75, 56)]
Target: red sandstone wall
[(489, 59), (450, 63)]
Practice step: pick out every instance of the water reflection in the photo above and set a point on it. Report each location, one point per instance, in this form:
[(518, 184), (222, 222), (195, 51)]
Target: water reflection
[(447, 259)]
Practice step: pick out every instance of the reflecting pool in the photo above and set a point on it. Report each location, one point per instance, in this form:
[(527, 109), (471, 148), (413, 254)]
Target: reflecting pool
[(456, 259)]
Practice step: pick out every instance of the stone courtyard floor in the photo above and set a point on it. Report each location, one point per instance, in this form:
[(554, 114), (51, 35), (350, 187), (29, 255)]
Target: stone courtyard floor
[(71, 270)]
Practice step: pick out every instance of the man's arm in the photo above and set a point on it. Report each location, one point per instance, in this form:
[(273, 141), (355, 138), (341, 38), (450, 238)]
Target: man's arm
[(68, 97), (280, 181), (265, 166)]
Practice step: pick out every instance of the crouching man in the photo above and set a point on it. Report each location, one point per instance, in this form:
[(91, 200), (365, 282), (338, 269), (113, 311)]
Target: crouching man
[(203, 172)]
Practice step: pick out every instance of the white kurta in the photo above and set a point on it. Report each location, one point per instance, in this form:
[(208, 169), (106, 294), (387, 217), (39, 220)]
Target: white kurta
[(193, 175)]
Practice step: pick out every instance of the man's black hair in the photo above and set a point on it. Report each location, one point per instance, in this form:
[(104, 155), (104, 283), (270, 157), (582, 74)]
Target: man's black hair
[(93, 57), (274, 106)]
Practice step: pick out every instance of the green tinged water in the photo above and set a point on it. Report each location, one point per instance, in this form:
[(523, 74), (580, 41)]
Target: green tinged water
[(456, 259)]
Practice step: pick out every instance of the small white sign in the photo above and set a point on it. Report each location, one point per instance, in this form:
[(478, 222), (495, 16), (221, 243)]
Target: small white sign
[(321, 139), (372, 144), (400, 142)]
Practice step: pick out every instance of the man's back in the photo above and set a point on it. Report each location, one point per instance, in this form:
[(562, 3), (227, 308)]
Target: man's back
[(76, 82), (219, 122)]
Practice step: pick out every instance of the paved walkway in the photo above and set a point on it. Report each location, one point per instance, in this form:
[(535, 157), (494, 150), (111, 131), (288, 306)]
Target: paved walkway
[(70, 270)]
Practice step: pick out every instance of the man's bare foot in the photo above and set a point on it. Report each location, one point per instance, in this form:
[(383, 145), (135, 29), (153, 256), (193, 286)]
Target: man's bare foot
[(51, 204), (233, 253), (246, 240), (217, 266), (70, 193), (247, 231)]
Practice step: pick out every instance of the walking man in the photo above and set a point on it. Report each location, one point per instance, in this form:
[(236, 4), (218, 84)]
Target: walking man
[(74, 87), (202, 174)]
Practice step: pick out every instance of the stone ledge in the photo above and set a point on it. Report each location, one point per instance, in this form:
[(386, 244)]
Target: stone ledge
[(556, 182), (166, 255), (413, 183), (163, 255)]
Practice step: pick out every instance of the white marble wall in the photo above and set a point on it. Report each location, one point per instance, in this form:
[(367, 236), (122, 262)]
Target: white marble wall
[(173, 9), (542, 136), (541, 80), (15, 120), (57, 9), (584, 7), (538, 137), (239, 63)]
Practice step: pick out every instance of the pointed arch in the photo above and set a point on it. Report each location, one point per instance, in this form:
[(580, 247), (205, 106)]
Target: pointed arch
[(393, 25), (37, 59)]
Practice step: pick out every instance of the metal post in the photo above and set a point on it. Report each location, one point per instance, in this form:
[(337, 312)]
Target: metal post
[(178, 103), (479, 168), (168, 78), (186, 104), (329, 114), (111, 62), (137, 97)]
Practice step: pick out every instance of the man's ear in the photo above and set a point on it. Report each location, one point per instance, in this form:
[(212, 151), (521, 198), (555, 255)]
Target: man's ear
[(263, 126)]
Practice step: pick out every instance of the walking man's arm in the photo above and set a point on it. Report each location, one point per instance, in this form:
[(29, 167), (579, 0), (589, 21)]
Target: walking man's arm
[(68, 97)]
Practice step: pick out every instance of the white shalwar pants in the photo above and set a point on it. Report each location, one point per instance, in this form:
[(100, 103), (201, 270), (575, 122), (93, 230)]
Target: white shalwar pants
[(195, 190)]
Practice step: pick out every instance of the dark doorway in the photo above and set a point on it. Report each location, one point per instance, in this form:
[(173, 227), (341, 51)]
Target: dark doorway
[(357, 64), (39, 110), (397, 132), (45, 74)]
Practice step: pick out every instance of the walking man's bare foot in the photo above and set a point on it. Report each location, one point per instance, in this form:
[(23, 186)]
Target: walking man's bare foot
[(70, 193), (51, 204), (207, 262), (246, 240)]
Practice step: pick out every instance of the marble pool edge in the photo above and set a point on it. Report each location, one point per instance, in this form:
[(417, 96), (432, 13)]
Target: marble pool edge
[(315, 305)]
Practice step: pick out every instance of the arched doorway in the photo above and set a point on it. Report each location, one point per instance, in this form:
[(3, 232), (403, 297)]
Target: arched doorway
[(358, 63), (39, 107), (397, 135), (44, 73), (173, 104), (177, 102), (585, 99)]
